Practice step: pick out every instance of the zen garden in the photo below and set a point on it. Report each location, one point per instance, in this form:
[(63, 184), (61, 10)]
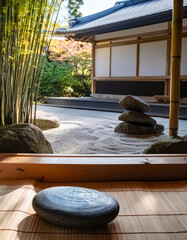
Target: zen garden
[(93, 119)]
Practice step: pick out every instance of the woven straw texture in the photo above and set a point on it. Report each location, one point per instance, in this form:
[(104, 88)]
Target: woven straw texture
[(147, 211)]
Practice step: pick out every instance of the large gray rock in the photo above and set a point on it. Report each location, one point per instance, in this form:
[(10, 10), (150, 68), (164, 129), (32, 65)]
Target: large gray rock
[(135, 129), (23, 138), (171, 145), (136, 117), (75, 207), (133, 103)]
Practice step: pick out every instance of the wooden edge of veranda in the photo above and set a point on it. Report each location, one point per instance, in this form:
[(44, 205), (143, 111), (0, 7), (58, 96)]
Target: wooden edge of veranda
[(89, 168)]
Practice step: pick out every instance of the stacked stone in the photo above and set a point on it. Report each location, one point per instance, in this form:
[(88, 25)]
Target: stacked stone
[(135, 121)]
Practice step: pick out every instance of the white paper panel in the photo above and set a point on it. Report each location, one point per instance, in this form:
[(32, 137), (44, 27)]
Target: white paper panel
[(184, 57), (124, 61), (184, 22), (153, 58), (102, 61)]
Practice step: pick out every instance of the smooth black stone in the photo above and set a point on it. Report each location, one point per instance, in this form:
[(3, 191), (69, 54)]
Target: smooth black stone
[(75, 207)]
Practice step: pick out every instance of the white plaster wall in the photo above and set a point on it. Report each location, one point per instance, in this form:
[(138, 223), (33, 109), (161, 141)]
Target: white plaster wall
[(102, 62), (153, 58), (184, 57), (139, 30), (124, 61)]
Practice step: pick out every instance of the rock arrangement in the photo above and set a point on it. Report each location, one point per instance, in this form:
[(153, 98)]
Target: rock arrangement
[(134, 120)]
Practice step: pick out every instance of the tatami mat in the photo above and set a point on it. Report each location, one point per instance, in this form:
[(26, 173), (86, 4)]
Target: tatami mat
[(147, 211)]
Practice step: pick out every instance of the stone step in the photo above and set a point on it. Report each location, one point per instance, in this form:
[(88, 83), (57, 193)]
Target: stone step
[(90, 103)]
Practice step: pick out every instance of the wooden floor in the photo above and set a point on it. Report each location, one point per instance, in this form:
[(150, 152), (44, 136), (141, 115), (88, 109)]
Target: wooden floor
[(148, 211)]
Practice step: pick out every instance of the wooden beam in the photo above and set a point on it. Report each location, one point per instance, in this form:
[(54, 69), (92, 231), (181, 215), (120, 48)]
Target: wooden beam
[(149, 38), (183, 78), (175, 67), (89, 168), (134, 41), (141, 35), (135, 78), (139, 78)]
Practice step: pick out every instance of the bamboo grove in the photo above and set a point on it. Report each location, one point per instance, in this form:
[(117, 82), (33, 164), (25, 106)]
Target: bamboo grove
[(26, 27)]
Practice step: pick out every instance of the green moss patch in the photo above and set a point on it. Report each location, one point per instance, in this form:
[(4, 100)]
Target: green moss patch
[(171, 145)]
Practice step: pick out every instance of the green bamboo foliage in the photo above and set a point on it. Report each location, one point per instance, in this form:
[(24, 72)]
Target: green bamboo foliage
[(26, 27)]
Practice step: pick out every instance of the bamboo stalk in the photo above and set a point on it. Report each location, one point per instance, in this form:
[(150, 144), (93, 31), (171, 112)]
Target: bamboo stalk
[(39, 74), (175, 67), (21, 47)]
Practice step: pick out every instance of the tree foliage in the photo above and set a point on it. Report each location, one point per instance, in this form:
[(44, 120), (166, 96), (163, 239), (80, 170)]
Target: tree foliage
[(65, 50), (24, 28), (73, 8), (55, 79), (68, 70)]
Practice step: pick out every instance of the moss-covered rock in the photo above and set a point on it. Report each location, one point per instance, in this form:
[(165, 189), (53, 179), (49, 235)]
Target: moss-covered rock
[(171, 145), (23, 138)]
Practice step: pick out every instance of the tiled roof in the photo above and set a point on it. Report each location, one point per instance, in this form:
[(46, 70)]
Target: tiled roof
[(124, 15)]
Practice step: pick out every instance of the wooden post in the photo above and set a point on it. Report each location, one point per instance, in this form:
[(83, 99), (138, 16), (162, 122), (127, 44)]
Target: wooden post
[(93, 66), (175, 67), (110, 64), (138, 57), (168, 62)]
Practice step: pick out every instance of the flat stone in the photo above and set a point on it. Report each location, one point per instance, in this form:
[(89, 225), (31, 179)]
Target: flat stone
[(134, 103), (171, 145), (23, 138), (45, 124), (137, 117), (75, 207), (135, 129)]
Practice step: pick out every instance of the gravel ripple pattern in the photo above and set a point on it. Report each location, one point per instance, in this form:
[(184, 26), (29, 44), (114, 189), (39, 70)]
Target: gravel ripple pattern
[(92, 132)]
